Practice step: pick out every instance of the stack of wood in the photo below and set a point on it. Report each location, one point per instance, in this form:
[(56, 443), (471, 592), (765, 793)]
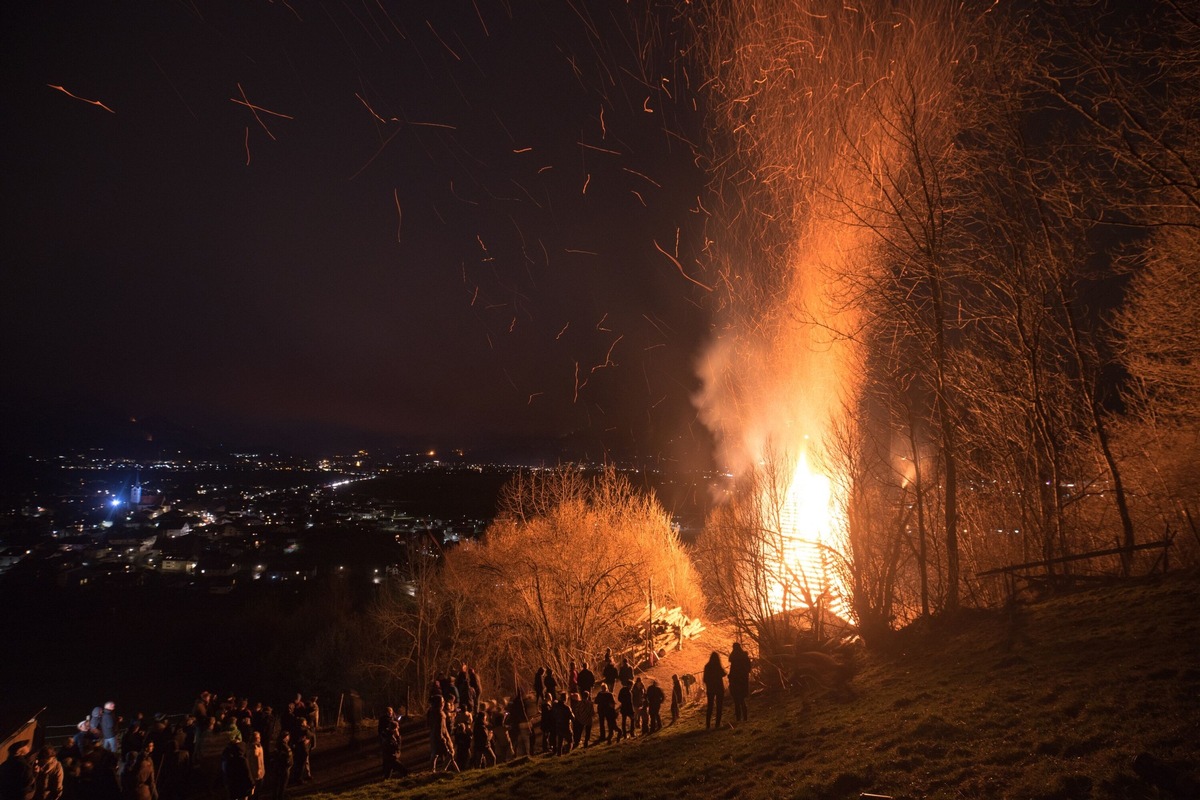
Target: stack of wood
[(668, 630)]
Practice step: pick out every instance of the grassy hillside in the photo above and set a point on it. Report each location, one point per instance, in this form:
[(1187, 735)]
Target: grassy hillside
[(1054, 702)]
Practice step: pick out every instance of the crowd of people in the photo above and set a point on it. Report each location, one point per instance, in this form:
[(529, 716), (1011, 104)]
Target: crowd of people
[(561, 713), (234, 750), (221, 749)]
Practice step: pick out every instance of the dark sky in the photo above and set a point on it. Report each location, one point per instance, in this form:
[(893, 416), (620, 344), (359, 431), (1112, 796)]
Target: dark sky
[(451, 236)]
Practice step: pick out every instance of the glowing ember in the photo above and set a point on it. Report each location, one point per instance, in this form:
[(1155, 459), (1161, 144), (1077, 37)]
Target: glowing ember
[(811, 529)]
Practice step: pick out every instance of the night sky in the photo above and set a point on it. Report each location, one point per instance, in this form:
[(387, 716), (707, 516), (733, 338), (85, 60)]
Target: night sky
[(452, 236)]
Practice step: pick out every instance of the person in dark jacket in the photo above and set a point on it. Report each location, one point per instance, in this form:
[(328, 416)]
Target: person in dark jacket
[(585, 712), (389, 744), (301, 753), (547, 720), (586, 680), (482, 754), (676, 698), (108, 728), (235, 771), (625, 672), (739, 680), (628, 720), (282, 765), (654, 700), (564, 723), (610, 672), (606, 709), (539, 684), (17, 778), (714, 686)]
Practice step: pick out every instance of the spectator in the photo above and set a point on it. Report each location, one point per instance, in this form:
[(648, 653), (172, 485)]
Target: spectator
[(256, 761), (48, 781), (17, 776), (108, 728), (547, 721), (625, 672), (714, 686), (282, 765), (441, 746), (610, 672), (498, 724), (739, 680), (586, 680), (654, 700), (520, 734), (389, 744), (301, 754), (581, 705), (462, 737), (482, 754), (142, 783), (235, 770), (606, 707), (564, 722), (625, 702), (676, 698)]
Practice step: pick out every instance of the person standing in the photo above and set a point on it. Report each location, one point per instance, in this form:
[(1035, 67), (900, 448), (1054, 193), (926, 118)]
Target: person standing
[(441, 744), (606, 708), (586, 680), (17, 777), (676, 698), (389, 744), (482, 754), (108, 728), (235, 770), (581, 705), (143, 785), (48, 782), (628, 721), (564, 723), (282, 764), (256, 761), (301, 753), (625, 672), (654, 700), (520, 735), (739, 680), (714, 686), (610, 672)]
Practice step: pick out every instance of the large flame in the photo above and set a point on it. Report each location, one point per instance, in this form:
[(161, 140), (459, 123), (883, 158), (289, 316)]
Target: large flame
[(812, 529)]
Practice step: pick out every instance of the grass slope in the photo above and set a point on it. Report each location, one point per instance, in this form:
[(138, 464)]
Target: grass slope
[(1055, 702)]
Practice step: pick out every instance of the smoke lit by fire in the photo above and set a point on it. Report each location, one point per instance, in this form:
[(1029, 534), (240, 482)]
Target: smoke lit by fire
[(806, 96)]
